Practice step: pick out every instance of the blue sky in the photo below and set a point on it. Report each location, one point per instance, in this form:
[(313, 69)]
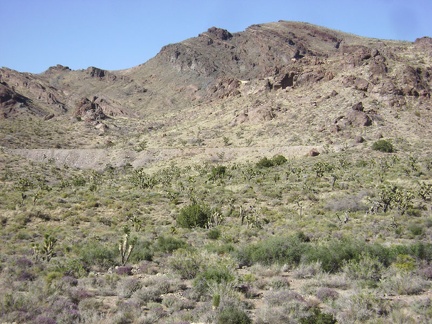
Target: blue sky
[(118, 34)]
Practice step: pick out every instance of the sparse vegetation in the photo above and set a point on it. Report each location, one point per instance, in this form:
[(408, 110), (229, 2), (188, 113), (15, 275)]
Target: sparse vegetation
[(263, 211)]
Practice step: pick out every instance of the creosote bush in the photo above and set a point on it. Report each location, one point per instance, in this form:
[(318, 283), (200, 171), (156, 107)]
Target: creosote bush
[(383, 146), (194, 215), (233, 315), (169, 244), (267, 163), (332, 255)]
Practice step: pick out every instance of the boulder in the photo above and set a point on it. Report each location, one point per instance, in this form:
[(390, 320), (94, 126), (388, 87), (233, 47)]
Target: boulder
[(314, 152), (358, 106), (361, 84)]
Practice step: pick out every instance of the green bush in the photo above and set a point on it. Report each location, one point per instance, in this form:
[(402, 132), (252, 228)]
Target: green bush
[(264, 163), (218, 172), (169, 244), (277, 250), (415, 229), (268, 163), (210, 275), (383, 146), (317, 317), (334, 254), (279, 159), (213, 234), (186, 263), (141, 252), (97, 254), (194, 215), (216, 274), (233, 315)]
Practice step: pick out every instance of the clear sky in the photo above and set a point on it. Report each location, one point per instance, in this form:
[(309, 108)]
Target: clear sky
[(118, 34)]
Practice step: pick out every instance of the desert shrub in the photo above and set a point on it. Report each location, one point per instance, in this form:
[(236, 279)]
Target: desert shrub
[(212, 274), (123, 270), (187, 264), (334, 254), (218, 172), (317, 317), (278, 160), (126, 287), (268, 163), (194, 215), (415, 229), (383, 146), (320, 168), (264, 163), (233, 315), (326, 293), (307, 270), (279, 283), (278, 250), (78, 181), (97, 254), (72, 267), (174, 303), (360, 308), (142, 251), (366, 268), (225, 248), (214, 234), (168, 244), (426, 272), (404, 263), (352, 203), (396, 283), (145, 295), (282, 306)]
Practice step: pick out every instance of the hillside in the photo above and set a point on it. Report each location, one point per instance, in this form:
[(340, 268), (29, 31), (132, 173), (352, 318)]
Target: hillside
[(247, 87), (281, 174)]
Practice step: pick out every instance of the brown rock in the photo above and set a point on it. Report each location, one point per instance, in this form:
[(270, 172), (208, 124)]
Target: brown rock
[(359, 139), (314, 152), (358, 118), (361, 84), (358, 106)]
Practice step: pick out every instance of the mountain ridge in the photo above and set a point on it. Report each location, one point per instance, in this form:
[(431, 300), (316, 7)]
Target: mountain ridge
[(328, 86)]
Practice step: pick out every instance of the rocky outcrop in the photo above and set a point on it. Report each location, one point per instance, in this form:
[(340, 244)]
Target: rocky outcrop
[(355, 117), (225, 88), (31, 92), (89, 110), (57, 68), (96, 72), (10, 101), (219, 33)]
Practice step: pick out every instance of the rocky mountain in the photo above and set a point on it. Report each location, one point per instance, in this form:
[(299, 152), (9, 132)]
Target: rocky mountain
[(274, 84)]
